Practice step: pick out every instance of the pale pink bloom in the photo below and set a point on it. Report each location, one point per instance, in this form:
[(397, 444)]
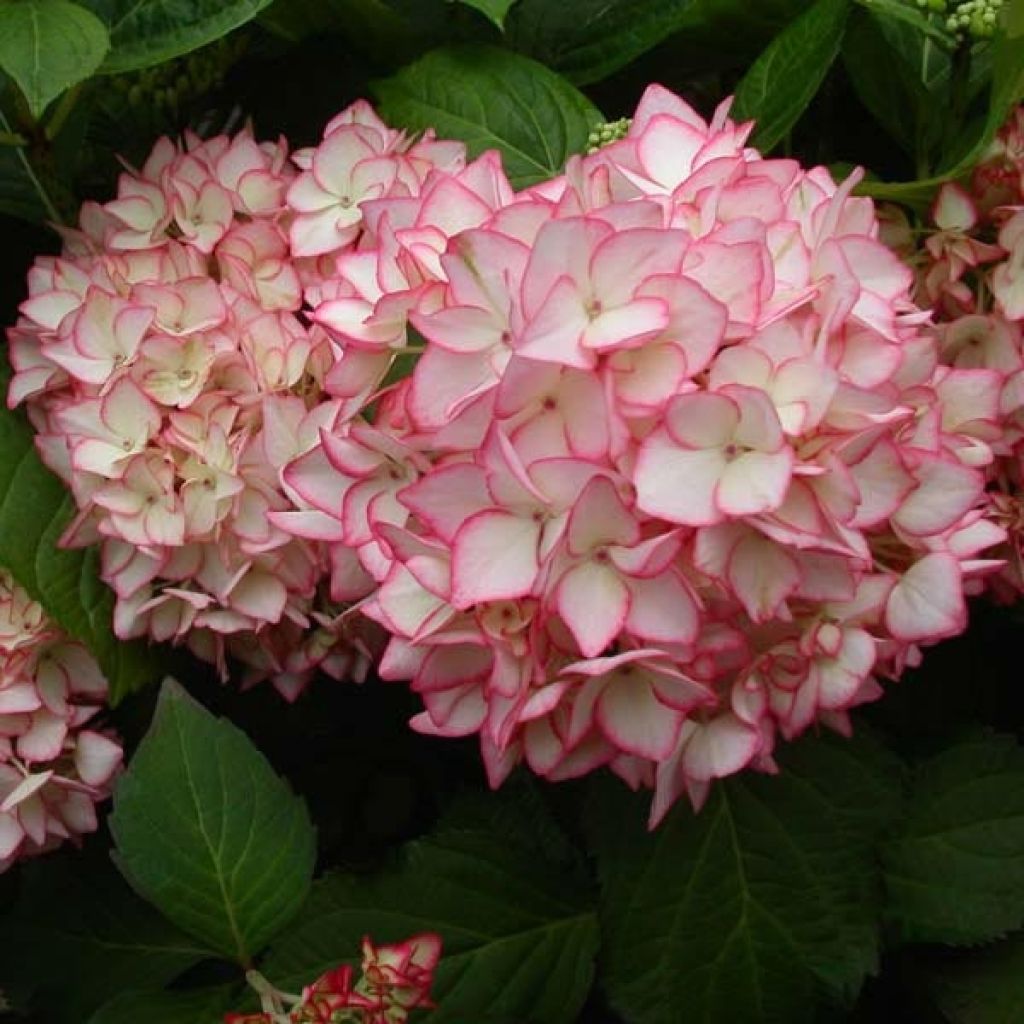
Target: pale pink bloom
[(1008, 277), (719, 455), (103, 337), (348, 168)]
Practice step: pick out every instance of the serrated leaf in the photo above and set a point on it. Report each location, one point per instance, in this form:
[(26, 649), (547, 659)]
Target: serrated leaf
[(147, 32), (203, 1006), (588, 40), (981, 987), (955, 869), (208, 833), (83, 916), (787, 75), (493, 99), (749, 910), (35, 508), (47, 46), (496, 11), (519, 931)]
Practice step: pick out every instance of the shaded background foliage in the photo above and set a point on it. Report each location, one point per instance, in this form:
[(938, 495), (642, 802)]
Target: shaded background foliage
[(877, 879)]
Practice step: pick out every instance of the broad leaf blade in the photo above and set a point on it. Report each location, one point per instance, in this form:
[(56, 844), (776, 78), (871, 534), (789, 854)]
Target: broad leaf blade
[(147, 32), (208, 833), (203, 1006), (519, 932), (84, 917), (981, 987), (34, 510), (493, 99), (496, 11), (47, 46), (587, 40), (787, 76), (750, 909), (955, 870)]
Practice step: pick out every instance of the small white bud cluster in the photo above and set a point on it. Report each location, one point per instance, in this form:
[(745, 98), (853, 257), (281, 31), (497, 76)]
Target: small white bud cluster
[(610, 131), (966, 19)]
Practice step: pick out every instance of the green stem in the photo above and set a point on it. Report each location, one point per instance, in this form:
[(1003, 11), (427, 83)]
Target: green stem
[(44, 196), (62, 110)]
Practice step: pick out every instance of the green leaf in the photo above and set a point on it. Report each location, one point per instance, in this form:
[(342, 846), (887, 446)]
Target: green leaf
[(20, 191), (202, 1006), (787, 76), (890, 90), (955, 869), (82, 915), (587, 40), (208, 833), (147, 32), (983, 987), (900, 10), (1006, 91), (1014, 19), (747, 911), (519, 931), (493, 99), (47, 46), (494, 10), (35, 508)]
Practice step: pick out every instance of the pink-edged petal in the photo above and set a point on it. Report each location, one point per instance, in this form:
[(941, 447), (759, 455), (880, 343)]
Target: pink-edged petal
[(96, 757), (702, 420), (626, 326), (677, 484), (755, 482), (720, 747), (593, 602), (945, 491), (632, 717), (928, 601), (663, 610), (494, 558)]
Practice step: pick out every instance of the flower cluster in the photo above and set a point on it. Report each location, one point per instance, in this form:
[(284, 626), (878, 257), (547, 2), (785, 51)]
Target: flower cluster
[(53, 768), (680, 469), (171, 373), (395, 980), (970, 271), (677, 472)]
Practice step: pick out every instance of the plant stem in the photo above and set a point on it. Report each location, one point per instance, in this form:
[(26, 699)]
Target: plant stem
[(44, 196)]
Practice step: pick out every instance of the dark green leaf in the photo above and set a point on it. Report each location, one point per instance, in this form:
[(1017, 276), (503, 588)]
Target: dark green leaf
[(82, 916), (890, 90), (519, 931), (750, 909), (34, 510), (203, 1006), (1015, 19), (787, 76), (208, 833), (493, 99), (587, 40), (982, 987), (21, 192), (146, 32), (900, 10), (955, 869), (1006, 91), (494, 10), (47, 46)]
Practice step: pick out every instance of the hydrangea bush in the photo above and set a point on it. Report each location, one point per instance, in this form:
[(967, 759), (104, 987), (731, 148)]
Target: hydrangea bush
[(644, 456)]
